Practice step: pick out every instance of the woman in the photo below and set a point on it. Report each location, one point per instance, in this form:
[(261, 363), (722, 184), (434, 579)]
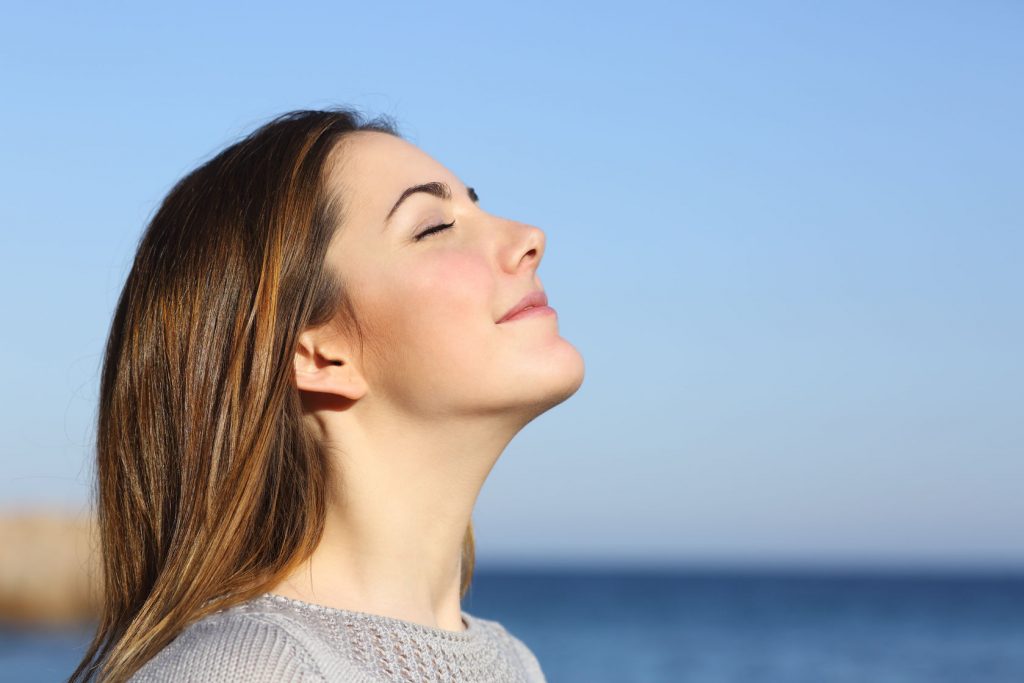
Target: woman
[(310, 372)]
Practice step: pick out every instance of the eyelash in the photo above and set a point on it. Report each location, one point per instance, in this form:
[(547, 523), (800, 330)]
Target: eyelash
[(441, 228), (434, 230)]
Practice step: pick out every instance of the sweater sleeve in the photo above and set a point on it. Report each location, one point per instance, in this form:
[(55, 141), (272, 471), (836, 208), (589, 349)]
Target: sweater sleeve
[(246, 647)]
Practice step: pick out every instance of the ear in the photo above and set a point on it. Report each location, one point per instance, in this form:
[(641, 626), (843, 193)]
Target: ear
[(324, 364)]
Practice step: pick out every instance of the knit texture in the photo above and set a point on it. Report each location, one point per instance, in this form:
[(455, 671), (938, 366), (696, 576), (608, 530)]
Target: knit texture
[(276, 638)]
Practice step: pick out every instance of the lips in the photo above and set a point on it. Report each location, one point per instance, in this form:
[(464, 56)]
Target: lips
[(534, 298)]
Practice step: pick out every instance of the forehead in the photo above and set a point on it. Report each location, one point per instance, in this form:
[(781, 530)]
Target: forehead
[(372, 168)]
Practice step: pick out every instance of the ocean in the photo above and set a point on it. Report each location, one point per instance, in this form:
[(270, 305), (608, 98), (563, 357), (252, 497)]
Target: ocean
[(713, 627)]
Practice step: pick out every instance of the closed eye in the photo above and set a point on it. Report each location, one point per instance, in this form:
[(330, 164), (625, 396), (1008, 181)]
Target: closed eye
[(441, 228), (433, 231)]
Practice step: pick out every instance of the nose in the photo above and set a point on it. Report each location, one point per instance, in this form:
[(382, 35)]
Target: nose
[(525, 246)]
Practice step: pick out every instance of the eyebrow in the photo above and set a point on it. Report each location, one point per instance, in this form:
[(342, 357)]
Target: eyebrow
[(439, 190)]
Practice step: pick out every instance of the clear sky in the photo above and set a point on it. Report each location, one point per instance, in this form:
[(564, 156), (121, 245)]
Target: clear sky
[(787, 239)]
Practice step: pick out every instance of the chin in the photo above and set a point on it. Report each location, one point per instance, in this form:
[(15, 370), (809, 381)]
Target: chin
[(574, 374), (559, 379)]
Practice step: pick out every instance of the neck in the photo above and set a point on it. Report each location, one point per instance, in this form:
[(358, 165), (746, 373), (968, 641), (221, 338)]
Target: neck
[(402, 500)]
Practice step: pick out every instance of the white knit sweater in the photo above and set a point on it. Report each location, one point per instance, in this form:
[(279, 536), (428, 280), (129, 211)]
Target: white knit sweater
[(273, 638)]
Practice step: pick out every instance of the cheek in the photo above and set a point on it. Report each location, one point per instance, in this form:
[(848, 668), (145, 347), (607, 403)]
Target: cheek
[(448, 288), (436, 321), (439, 304)]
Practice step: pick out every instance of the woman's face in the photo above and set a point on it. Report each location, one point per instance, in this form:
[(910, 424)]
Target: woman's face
[(430, 305)]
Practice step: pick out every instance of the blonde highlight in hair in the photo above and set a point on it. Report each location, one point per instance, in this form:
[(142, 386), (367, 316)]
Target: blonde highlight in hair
[(209, 489)]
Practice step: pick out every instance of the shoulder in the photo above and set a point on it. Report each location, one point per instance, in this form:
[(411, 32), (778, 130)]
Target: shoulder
[(237, 646), (515, 648)]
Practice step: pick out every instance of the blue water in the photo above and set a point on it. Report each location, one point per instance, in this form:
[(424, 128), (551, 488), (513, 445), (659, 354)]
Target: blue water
[(714, 627)]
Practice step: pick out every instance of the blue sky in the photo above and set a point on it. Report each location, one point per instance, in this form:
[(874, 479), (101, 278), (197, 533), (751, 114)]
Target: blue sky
[(786, 238)]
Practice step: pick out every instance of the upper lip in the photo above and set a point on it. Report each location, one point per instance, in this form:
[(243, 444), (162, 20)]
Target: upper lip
[(534, 298)]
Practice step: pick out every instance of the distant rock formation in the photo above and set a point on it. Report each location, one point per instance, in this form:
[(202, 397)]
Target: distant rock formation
[(49, 568)]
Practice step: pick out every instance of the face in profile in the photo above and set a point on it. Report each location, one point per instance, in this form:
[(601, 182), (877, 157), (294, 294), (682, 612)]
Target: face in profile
[(430, 279)]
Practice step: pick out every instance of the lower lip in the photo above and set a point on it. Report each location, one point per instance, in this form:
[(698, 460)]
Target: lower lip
[(530, 313)]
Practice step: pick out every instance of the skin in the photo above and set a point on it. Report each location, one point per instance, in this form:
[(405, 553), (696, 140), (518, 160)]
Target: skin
[(416, 421)]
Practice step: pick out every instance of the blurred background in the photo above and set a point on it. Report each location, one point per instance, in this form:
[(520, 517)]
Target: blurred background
[(787, 239)]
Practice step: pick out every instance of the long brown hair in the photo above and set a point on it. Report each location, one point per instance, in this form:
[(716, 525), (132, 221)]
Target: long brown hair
[(209, 489)]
